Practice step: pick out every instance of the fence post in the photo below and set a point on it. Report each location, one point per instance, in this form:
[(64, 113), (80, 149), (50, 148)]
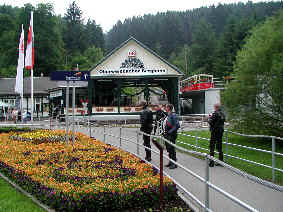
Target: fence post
[(138, 145), (50, 121), (226, 146), (160, 172), (89, 125), (196, 134), (206, 183), (120, 137), (104, 134), (273, 158)]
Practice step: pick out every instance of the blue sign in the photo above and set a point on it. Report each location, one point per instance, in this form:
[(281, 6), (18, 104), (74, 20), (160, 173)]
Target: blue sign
[(70, 75)]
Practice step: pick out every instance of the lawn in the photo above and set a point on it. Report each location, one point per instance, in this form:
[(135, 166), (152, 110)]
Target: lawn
[(13, 201), (259, 157), (90, 175)]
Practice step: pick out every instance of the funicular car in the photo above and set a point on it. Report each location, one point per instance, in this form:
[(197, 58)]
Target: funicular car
[(197, 82)]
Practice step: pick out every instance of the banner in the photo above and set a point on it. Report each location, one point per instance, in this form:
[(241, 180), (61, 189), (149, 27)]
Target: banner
[(29, 60), (19, 86)]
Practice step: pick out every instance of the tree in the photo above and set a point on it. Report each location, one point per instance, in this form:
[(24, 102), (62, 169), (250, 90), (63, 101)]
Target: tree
[(73, 31), (94, 55), (49, 46), (181, 60), (8, 42), (254, 99), (230, 42), (94, 34), (202, 49)]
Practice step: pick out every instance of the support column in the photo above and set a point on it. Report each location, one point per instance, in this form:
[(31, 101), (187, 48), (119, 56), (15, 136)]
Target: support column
[(118, 84), (90, 95)]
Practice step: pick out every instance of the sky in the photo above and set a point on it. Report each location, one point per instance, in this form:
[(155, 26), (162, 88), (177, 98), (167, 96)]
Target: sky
[(106, 13)]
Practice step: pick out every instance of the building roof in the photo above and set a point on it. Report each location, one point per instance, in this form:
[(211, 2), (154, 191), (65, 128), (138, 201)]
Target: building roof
[(152, 54), (40, 86)]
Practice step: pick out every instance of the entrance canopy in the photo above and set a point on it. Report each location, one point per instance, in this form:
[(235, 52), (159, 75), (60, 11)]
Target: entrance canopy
[(133, 64)]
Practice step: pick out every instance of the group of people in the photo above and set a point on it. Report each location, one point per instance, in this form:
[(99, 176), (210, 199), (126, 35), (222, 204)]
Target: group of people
[(170, 127)]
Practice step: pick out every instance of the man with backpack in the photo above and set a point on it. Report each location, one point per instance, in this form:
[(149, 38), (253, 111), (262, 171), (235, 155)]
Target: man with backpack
[(146, 119), (216, 126), (171, 126)]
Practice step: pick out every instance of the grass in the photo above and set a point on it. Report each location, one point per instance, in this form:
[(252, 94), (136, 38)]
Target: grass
[(252, 155), (13, 201)]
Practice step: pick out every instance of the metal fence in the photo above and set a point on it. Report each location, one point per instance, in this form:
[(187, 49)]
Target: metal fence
[(272, 153), (106, 132)]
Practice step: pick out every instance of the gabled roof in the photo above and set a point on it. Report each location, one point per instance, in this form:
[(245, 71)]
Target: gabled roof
[(40, 85), (141, 45)]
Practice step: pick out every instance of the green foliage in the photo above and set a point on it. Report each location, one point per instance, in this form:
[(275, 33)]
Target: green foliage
[(231, 41), (203, 40), (182, 60), (73, 30), (256, 156), (210, 34), (202, 49), (11, 200), (14, 129), (255, 97), (94, 55)]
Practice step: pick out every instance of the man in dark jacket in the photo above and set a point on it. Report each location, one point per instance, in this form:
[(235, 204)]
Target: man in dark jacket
[(146, 119), (160, 114), (171, 127), (216, 126)]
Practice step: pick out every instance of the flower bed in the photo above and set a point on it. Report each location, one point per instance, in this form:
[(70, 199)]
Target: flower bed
[(110, 109), (99, 109), (89, 175), (138, 108), (128, 109)]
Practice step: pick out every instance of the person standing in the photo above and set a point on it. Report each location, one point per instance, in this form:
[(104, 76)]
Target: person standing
[(171, 127), (146, 119), (160, 114), (216, 127)]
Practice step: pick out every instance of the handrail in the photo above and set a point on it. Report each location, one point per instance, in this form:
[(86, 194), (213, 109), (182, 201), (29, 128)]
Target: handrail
[(206, 181), (273, 153)]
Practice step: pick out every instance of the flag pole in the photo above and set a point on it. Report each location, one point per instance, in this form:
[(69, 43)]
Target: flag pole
[(29, 60), (31, 75), (22, 93), (19, 86)]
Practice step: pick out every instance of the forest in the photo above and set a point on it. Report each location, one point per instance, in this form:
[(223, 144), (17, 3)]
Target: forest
[(203, 40), (241, 41)]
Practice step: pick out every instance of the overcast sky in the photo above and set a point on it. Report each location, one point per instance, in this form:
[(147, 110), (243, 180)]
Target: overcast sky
[(106, 13)]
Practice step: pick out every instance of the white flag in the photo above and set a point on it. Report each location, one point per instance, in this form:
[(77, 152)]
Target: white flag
[(19, 87), (29, 60)]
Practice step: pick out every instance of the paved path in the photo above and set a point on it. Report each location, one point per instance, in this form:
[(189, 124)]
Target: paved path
[(256, 195)]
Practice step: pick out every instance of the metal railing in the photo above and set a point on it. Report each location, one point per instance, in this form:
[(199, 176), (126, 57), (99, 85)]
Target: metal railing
[(273, 153), (107, 133), (104, 132)]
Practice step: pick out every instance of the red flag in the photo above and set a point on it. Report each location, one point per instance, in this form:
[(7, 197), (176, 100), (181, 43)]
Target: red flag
[(29, 60)]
